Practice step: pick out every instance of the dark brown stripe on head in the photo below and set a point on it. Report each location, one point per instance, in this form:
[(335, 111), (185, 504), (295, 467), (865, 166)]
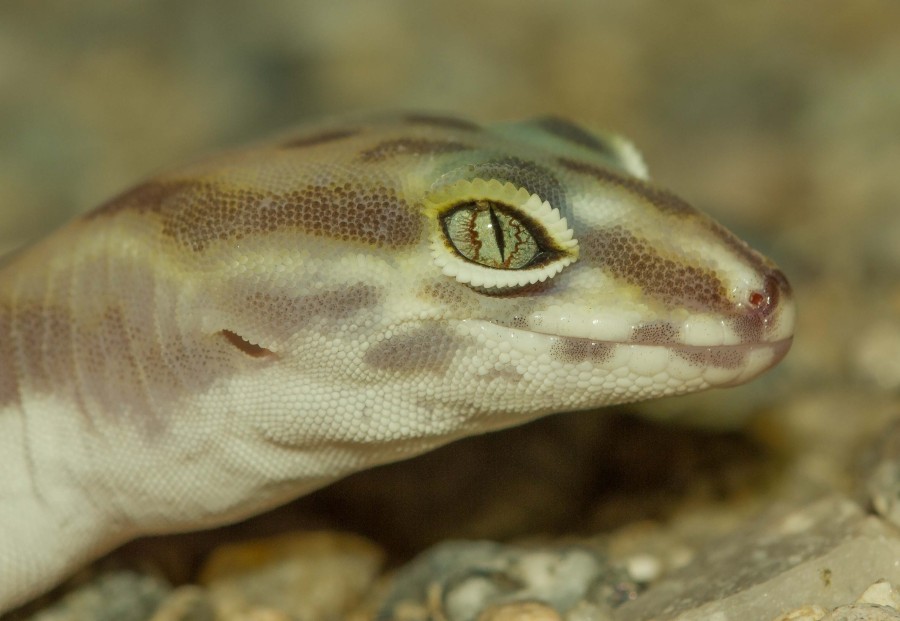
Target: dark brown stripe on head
[(663, 200), (319, 138), (445, 122), (410, 146), (741, 248), (669, 203), (198, 213), (628, 258), (570, 132)]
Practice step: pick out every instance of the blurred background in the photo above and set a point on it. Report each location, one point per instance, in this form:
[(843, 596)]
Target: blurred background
[(781, 119)]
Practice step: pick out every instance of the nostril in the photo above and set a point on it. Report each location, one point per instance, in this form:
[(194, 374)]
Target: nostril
[(774, 286), (756, 298)]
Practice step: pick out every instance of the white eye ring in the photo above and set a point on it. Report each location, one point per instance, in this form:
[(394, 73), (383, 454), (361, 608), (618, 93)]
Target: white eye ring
[(535, 214)]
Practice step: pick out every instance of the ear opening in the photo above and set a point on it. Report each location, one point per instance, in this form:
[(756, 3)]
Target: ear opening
[(251, 349)]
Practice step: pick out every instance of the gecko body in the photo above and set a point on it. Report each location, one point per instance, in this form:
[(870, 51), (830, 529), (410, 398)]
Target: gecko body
[(237, 332)]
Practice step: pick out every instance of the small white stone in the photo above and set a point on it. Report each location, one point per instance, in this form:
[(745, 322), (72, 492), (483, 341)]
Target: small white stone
[(881, 593), (643, 568)]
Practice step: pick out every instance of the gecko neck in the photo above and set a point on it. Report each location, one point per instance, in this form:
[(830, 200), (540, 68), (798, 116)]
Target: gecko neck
[(49, 445), (41, 512)]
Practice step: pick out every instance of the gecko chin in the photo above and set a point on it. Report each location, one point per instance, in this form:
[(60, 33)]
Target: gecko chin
[(749, 359)]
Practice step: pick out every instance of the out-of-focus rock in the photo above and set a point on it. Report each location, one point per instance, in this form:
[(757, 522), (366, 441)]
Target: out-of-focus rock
[(320, 575), (825, 553), (486, 581)]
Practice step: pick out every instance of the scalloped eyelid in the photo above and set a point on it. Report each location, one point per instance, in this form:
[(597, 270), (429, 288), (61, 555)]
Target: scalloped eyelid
[(529, 207)]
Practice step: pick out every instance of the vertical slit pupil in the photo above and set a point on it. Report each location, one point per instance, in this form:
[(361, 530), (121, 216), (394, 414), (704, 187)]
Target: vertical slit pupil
[(498, 234)]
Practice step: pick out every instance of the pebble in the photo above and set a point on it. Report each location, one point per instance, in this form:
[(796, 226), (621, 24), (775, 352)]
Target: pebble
[(111, 596), (314, 575), (465, 581)]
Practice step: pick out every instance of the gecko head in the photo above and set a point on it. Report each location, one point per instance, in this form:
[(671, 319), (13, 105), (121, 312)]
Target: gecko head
[(588, 275), (427, 277)]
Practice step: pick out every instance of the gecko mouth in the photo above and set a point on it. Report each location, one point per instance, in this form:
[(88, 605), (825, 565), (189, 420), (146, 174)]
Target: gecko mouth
[(702, 356), (721, 365)]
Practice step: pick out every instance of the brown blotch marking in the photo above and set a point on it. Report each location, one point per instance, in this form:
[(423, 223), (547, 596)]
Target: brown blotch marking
[(251, 349), (444, 122), (118, 350), (627, 257), (445, 293), (663, 200), (518, 321), (197, 213), (716, 357), (37, 344), (410, 146), (325, 137), (751, 324), (429, 349), (749, 327), (278, 311), (146, 197), (667, 202), (575, 350), (570, 132), (114, 365), (659, 333), (101, 361)]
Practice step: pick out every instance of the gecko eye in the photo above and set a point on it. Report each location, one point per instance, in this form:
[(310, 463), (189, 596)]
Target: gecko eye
[(492, 234), (486, 233)]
